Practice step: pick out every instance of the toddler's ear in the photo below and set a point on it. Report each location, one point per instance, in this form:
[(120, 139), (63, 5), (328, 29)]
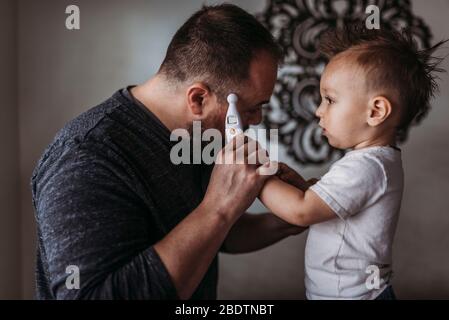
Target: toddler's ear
[(379, 110)]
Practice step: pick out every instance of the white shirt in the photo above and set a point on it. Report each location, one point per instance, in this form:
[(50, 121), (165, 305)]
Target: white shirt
[(364, 189)]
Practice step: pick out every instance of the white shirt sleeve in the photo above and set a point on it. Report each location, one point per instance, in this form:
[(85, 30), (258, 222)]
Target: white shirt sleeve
[(352, 184)]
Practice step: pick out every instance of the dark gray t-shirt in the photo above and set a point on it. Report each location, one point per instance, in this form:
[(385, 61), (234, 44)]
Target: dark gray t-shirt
[(104, 192)]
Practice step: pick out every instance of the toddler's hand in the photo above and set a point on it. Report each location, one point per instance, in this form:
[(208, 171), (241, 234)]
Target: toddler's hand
[(287, 174)]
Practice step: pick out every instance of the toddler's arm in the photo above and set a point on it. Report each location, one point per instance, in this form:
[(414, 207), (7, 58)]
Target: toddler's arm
[(293, 205)]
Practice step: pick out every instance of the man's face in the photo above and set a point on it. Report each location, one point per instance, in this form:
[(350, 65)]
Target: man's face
[(252, 94), (344, 105)]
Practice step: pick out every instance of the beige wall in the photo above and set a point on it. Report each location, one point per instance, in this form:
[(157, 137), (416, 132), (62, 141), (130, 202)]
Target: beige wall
[(63, 73), (9, 156)]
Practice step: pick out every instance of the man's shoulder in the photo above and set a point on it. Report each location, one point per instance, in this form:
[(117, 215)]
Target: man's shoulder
[(79, 128), (82, 130)]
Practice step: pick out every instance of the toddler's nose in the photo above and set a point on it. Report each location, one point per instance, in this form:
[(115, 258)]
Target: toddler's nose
[(319, 112)]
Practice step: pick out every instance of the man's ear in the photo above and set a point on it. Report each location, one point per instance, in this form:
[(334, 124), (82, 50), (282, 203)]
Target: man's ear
[(196, 95), (379, 110)]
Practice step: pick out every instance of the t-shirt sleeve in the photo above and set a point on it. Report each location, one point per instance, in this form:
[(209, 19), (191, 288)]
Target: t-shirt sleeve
[(352, 184), (90, 217)]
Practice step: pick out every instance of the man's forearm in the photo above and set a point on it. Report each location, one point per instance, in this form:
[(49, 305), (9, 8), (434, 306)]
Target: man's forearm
[(256, 231), (188, 250)]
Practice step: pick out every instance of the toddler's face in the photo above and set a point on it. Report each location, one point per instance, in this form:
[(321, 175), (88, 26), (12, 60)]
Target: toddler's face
[(344, 104)]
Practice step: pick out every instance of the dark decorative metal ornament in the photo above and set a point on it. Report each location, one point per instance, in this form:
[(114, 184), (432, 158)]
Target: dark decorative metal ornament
[(297, 26)]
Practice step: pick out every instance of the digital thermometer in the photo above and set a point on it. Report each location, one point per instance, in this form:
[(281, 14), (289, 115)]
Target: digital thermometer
[(233, 125)]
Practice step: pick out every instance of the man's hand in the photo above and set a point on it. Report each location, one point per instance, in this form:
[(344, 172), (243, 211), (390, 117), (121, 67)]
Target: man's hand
[(287, 174), (235, 184)]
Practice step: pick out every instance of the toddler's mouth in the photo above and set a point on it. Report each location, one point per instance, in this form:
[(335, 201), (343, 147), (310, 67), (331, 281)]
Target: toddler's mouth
[(322, 130)]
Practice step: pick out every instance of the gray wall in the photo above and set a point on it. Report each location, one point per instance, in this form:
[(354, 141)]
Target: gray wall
[(62, 73), (9, 156)]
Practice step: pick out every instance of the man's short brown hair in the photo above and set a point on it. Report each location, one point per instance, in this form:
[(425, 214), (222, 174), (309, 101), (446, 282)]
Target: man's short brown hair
[(393, 64), (216, 45)]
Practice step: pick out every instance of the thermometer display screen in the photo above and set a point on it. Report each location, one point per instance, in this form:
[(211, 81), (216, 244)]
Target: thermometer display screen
[(232, 119)]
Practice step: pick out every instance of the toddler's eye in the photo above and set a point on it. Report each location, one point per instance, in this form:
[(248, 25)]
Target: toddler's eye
[(329, 100)]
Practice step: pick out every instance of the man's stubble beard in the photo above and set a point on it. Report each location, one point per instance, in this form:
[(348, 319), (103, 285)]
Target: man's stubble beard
[(214, 121)]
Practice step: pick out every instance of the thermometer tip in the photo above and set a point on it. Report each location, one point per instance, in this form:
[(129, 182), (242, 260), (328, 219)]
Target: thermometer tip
[(232, 98)]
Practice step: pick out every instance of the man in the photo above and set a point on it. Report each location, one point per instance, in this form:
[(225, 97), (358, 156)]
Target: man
[(109, 201)]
